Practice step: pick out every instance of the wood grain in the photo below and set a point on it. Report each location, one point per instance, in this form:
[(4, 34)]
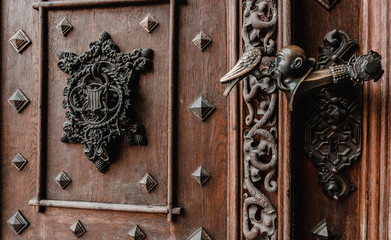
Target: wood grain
[(375, 170), (194, 143)]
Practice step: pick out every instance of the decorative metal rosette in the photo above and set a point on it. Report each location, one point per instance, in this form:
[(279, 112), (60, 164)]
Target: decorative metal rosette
[(100, 92)]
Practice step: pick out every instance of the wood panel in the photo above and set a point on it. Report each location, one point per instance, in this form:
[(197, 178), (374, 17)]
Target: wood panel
[(130, 163), (202, 143), (18, 131), (311, 23), (195, 142)]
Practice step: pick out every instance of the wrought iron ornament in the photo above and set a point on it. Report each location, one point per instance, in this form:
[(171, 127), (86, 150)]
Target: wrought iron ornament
[(100, 92), (333, 127)]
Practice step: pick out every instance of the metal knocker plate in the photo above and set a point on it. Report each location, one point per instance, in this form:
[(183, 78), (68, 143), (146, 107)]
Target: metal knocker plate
[(100, 92)]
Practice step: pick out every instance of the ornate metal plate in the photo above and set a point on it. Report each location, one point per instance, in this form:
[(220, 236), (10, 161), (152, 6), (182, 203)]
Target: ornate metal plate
[(100, 91), (333, 126)]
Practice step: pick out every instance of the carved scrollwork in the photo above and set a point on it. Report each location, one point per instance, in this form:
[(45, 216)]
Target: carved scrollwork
[(260, 139), (100, 92)]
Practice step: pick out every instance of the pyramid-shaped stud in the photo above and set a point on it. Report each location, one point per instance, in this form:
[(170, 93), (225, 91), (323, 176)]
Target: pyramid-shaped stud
[(328, 4), (18, 100), (325, 231), (202, 108), (201, 175), (149, 23), (200, 234), (17, 222), (136, 233), (19, 41), (148, 182), (78, 229), (64, 27), (201, 40), (63, 180), (19, 161)]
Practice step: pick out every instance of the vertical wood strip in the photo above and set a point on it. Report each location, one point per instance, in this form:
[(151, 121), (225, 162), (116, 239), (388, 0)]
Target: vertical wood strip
[(171, 107), (284, 207), (233, 202), (375, 185), (41, 107)]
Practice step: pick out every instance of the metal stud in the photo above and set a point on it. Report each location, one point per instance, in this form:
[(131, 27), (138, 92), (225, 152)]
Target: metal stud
[(200, 234), (149, 23), (201, 40), (78, 229), (201, 107), (17, 222), (19, 161), (148, 182), (64, 26), (18, 100), (325, 231), (201, 175), (328, 4), (63, 179), (19, 41), (136, 233)]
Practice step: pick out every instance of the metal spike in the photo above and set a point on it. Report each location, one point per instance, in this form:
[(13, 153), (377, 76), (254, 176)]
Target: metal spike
[(202, 40), (17, 222), (148, 182), (136, 233), (201, 175)]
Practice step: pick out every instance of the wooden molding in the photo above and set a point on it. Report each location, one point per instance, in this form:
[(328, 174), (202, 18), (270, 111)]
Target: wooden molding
[(375, 168)]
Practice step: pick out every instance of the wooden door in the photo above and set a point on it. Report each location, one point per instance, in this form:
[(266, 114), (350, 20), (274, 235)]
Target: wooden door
[(186, 156)]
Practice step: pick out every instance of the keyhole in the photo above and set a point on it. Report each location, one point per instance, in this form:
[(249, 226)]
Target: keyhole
[(333, 144)]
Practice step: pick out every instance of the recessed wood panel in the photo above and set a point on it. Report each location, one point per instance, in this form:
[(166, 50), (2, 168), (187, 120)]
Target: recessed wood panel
[(130, 163)]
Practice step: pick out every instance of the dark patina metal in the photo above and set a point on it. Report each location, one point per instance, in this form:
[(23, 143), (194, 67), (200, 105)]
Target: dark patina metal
[(333, 133), (100, 92)]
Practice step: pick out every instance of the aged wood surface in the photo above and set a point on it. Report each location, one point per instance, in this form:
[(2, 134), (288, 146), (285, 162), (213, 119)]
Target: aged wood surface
[(284, 206), (375, 168), (169, 88), (233, 126)]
